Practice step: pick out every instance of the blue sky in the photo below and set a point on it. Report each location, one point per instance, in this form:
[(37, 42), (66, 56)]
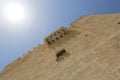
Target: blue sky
[(47, 16)]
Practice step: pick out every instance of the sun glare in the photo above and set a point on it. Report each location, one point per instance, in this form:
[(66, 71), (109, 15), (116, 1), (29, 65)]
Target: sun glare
[(14, 12)]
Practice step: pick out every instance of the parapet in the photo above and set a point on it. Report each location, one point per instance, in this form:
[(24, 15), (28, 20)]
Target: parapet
[(57, 35)]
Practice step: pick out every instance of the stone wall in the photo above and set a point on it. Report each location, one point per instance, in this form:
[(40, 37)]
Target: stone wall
[(94, 53)]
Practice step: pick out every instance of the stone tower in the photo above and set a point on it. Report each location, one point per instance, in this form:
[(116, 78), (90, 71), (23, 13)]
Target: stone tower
[(88, 50)]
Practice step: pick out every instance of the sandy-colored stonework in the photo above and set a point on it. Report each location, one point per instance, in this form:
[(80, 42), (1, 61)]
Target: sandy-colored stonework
[(88, 50)]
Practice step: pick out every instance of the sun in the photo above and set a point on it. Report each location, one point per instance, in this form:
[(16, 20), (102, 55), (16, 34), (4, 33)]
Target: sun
[(14, 12)]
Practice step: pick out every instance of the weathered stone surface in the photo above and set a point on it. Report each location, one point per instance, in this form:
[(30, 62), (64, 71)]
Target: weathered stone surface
[(93, 44)]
